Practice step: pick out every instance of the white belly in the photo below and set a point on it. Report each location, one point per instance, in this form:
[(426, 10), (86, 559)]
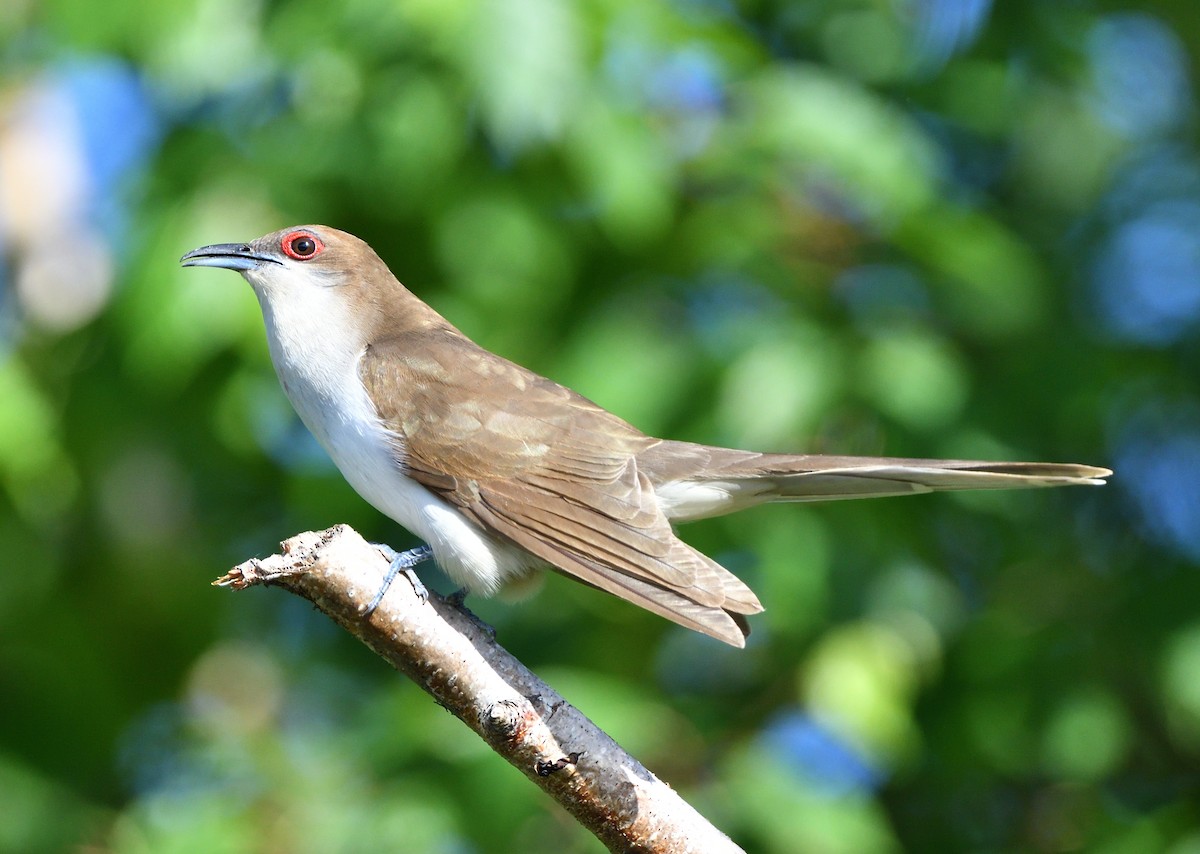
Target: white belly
[(367, 459), (319, 374)]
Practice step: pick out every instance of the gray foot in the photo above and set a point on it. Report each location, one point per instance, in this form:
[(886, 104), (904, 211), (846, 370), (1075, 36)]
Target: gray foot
[(401, 562)]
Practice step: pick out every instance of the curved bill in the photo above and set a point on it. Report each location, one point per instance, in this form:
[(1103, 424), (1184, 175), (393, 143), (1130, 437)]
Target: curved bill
[(230, 256)]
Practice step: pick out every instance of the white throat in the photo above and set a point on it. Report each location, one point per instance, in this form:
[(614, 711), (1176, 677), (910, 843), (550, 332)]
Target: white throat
[(315, 345)]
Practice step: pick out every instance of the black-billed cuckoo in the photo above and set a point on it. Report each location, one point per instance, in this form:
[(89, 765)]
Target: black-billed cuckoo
[(504, 472)]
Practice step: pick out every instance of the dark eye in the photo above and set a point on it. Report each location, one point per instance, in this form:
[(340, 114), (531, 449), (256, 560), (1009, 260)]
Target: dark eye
[(301, 245)]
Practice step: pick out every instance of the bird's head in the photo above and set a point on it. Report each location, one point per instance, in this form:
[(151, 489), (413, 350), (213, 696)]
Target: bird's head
[(302, 255)]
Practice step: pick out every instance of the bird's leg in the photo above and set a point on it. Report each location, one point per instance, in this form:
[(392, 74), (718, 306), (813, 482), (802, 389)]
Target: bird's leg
[(458, 600), (401, 562)]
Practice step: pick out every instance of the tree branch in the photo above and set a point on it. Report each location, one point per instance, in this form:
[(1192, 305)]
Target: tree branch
[(455, 659)]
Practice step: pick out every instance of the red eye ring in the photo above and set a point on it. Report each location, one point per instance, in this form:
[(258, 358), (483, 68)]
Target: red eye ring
[(302, 245)]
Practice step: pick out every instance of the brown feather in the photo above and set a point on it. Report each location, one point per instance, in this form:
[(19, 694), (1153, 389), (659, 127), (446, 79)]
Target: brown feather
[(732, 480), (562, 483)]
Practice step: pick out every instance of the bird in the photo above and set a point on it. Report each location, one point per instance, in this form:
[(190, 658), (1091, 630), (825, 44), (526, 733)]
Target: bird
[(504, 473)]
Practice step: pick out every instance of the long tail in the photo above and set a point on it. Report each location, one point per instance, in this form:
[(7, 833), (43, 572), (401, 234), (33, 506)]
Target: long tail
[(697, 481)]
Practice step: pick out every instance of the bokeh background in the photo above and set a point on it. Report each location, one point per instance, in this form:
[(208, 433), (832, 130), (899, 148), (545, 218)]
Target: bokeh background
[(916, 227)]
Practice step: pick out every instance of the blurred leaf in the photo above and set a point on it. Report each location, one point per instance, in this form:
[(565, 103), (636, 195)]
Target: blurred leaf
[(994, 285), (860, 682), (626, 174), (1181, 688), (807, 119), (784, 816), (36, 473), (1087, 738), (916, 378), (775, 392), (526, 61), (42, 816)]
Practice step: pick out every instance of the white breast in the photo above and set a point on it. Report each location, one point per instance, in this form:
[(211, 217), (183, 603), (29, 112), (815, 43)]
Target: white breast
[(318, 368)]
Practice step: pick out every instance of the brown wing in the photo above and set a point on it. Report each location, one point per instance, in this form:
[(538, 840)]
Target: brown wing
[(548, 470)]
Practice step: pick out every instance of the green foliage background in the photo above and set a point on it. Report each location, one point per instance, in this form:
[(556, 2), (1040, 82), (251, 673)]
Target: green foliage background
[(851, 226)]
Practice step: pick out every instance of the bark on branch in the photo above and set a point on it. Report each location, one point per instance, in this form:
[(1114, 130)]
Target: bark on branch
[(456, 660)]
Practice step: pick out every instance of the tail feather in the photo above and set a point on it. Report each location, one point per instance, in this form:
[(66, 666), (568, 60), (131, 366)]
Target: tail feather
[(866, 477), (697, 481)]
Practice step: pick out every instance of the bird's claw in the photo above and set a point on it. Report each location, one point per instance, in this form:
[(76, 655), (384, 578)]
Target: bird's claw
[(401, 562)]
